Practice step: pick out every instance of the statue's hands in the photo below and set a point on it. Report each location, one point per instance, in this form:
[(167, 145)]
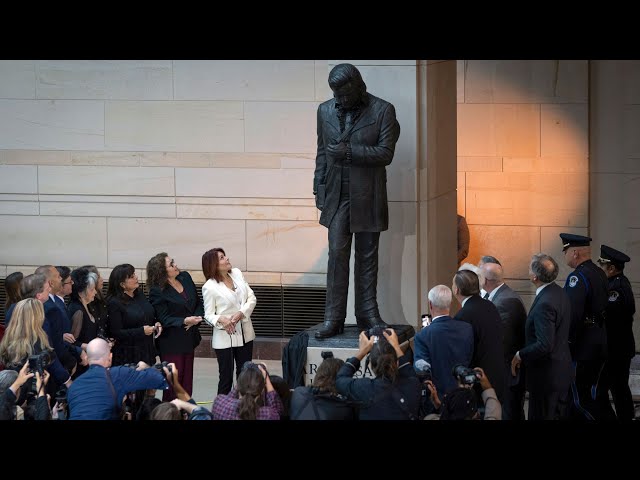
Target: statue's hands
[(338, 151)]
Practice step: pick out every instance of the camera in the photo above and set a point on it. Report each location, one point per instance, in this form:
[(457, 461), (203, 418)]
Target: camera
[(376, 332), (40, 361), (326, 354), (160, 365), (249, 364), (423, 370), (465, 376)]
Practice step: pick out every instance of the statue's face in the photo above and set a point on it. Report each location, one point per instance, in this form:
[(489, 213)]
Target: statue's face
[(347, 96)]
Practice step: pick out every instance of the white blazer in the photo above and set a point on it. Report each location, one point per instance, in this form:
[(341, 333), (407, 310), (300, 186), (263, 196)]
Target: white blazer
[(220, 300)]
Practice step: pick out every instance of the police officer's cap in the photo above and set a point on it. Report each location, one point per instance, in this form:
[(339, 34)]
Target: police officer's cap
[(573, 240), (611, 255)]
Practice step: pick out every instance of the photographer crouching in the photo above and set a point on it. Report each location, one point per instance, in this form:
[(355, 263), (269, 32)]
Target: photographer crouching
[(394, 394), (461, 403), (97, 394)]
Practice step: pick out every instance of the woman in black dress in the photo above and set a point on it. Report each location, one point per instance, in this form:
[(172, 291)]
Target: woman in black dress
[(132, 319), (179, 309)]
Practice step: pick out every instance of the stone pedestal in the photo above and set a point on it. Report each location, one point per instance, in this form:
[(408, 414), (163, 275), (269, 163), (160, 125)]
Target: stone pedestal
[(344, 346)]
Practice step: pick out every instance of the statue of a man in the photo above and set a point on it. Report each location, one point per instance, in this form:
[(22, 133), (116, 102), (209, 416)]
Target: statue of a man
[(357, 135)]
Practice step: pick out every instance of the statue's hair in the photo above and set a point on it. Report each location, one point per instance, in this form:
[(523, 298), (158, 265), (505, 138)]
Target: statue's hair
[(344, 73)]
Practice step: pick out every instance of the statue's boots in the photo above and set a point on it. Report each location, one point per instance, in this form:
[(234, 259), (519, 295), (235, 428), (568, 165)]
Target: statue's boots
[(330, 329)]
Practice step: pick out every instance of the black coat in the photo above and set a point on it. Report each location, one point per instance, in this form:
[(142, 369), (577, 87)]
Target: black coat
[(587, 287), (619, 318), (127, 318), (171, 310), (488, 349), (546, 354), (514, 316), (373, 140)]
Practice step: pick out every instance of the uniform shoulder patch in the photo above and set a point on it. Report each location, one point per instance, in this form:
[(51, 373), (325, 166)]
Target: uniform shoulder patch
[(573, 281), (613, 296)]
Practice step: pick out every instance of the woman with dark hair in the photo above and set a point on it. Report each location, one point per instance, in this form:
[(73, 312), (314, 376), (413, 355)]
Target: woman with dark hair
[(98, 307), (321, 401), (395, 392), (179, 309), (12, 287), (228, 303), (132, 318), (245, 402)]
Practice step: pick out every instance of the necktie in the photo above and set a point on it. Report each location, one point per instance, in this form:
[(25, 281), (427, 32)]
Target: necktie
[(486, 296)]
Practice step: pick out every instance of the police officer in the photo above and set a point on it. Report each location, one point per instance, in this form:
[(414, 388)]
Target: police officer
[(619, 320), (588, 292)]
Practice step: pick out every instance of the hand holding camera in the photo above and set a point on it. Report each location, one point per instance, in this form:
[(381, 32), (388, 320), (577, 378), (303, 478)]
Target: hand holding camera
[(466, 377), (482, 377)]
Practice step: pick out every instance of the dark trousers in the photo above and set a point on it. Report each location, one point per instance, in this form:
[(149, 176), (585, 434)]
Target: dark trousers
[(184, 364), (226, 358), (585, 405), (365, 269), (514, 388), (615, 377), (547, 405)]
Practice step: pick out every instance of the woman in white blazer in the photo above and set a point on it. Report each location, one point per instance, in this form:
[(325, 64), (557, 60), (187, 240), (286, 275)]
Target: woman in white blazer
[(228, 303)]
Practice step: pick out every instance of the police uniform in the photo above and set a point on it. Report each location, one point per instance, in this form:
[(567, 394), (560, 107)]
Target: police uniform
[(621, 346), (587, 289)]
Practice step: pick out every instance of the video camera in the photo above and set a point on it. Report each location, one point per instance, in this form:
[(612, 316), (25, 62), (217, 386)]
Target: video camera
[(423, 370), (465, 376)]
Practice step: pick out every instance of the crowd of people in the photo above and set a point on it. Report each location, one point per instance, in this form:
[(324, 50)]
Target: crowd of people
[(92, 358), (95, 358)]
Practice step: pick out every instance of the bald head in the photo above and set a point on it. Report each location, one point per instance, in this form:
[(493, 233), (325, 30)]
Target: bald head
[(493, 275), (99, 352)]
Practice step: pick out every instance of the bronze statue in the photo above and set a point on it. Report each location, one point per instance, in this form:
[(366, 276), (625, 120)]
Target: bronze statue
[(357, 135)]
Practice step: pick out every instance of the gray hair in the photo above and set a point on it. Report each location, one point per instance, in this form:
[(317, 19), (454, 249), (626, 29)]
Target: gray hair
[(544, 267), (440, 297), (474, 269), (32, 285), (488, 259)]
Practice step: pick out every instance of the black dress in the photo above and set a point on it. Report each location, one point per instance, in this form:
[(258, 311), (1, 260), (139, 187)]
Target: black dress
[(127, 318), (87, 330)]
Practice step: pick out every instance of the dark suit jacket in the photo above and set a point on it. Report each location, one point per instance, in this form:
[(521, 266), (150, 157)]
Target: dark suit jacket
[(373, 140), (488, 350), (514, 316), (546, 354), (444, 344), (171, 310)]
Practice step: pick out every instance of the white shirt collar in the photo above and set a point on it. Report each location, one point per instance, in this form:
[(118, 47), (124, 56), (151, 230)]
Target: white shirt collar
[(465, 301), (539, 289), (494, 291)]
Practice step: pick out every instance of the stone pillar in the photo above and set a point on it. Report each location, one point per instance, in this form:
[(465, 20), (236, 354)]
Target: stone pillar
[(437, 197), (614, 107)]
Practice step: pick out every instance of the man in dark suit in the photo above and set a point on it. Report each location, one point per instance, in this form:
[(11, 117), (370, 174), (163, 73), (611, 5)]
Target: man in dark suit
[(357, 134), (69, 355), (620, 342), (546, 352), (445, 343), (514, 316), (587, 287), (488, 350)]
